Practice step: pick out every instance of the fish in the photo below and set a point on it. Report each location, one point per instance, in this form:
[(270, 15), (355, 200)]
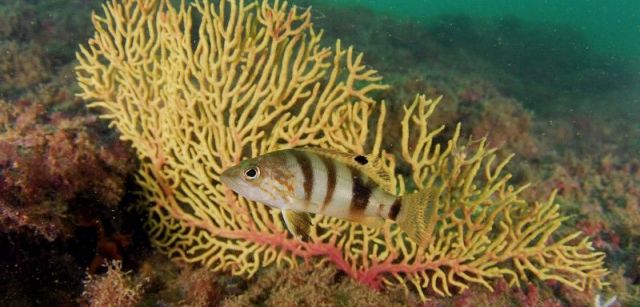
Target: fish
[(304, 181)]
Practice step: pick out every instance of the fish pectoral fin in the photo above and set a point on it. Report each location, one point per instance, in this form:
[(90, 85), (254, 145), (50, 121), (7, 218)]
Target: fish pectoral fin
[(298, 223)]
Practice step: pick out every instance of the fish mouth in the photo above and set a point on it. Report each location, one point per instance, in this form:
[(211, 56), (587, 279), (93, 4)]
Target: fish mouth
[(227, 177), (224, 177)]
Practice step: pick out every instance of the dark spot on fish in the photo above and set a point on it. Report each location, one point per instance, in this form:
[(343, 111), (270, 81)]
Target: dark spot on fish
[(362, 160), (307, 172), (361, 193), (331, 180), (395, 209)]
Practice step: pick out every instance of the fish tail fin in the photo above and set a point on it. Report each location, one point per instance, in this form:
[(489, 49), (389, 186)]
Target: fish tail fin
[(417, 216)]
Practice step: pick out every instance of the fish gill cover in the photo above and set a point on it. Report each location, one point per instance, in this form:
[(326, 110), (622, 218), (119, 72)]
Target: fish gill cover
[(197, 88)]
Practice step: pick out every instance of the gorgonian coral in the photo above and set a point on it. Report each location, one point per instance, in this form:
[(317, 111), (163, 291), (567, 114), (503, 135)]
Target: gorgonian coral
[(197, 88)]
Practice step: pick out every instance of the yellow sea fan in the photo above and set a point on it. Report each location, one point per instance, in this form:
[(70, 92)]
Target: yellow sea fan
[(197, 88)]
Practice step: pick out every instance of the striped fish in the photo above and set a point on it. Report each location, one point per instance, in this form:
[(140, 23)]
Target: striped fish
[(327, 182)]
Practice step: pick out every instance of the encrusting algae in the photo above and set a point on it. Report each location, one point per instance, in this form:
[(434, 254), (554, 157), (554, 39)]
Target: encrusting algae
[(198, 88)]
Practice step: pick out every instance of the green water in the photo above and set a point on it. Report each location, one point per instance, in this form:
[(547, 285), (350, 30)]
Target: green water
[(612, 26)]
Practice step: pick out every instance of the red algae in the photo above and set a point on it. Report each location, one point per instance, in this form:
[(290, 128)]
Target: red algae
[(52, 162)]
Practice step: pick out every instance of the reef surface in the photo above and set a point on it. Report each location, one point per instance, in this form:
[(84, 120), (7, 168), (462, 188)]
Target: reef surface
[(67, 196)]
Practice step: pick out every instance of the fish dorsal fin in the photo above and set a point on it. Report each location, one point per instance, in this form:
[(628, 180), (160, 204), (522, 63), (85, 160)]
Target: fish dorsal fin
[(369, 165), (298, 223)]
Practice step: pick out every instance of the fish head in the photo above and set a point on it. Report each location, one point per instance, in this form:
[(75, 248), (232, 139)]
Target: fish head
[(264, 179)]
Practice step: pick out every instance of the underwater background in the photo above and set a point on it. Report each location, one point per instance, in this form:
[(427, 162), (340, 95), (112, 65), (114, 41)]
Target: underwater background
[(557, 83)]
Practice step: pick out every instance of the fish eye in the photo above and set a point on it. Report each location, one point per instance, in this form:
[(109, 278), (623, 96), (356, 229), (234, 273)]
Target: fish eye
[(252, 173)]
